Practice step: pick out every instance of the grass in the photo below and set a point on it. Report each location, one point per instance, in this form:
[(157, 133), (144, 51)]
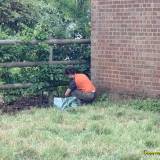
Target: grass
[(104, 131)]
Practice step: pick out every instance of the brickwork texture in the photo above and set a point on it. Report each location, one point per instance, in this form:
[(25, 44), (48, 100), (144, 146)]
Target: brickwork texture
[(126, 46)]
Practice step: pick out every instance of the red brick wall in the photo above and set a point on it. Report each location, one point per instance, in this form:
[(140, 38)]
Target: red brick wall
[(126, 46)]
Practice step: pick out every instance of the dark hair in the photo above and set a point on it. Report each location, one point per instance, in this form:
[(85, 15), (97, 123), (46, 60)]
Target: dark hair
[(70, 70)]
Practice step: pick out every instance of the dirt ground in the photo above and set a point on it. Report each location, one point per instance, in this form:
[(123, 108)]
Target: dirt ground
[(24, 103)]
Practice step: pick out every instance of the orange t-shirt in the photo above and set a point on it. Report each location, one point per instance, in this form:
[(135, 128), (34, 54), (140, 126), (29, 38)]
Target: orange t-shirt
[(84, 84)]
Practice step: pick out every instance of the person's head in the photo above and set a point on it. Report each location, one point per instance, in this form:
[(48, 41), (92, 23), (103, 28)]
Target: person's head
[(70, 72)]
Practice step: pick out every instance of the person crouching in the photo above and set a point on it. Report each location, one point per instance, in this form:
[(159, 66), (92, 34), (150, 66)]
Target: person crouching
[(80, 86)]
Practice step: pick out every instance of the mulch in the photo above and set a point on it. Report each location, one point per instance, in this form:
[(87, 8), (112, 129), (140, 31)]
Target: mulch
[(24, 103)]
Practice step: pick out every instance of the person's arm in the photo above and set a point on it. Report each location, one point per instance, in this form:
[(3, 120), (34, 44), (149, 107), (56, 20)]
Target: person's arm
[(68, 92), (72, 87)]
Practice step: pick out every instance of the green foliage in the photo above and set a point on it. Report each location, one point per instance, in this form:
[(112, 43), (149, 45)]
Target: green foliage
[(140, 104), (14, 15), (148, 104), (28, 20)]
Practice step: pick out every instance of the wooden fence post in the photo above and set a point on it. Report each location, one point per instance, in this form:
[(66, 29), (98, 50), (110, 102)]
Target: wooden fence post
[(50, 53), (50, 93)]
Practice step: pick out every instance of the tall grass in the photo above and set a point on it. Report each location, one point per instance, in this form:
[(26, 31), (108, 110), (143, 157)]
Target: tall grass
[(103, 131)]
